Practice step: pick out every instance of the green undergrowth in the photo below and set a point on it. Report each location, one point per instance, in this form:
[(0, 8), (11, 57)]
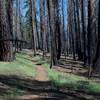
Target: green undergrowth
[(22, 67), (70, 81), (12, 94)]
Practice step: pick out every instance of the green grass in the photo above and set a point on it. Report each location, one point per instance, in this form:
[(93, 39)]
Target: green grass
[(71, 81), (13, 94), (22, 67)]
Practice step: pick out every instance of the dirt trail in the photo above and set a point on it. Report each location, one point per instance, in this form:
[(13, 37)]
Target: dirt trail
[(41, 74)]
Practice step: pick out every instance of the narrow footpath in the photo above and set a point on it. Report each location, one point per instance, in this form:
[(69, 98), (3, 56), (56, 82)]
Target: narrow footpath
[(41, 74)]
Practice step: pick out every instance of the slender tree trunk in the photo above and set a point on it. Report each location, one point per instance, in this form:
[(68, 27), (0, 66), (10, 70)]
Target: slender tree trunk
[(79, 51), (83, 32), (96, 61), (32, 26)]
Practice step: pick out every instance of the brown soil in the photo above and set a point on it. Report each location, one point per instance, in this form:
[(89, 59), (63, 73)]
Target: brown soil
[(41, 74)]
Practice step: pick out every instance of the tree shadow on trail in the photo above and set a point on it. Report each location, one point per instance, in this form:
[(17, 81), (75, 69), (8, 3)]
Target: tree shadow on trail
[(40, 88)]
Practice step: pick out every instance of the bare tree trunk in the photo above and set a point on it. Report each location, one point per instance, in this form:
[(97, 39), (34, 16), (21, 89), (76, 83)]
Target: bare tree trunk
[(42, 25), (52, 32), (79, 51), (83, 32), (96, 61), (32, 26), (6, 53)]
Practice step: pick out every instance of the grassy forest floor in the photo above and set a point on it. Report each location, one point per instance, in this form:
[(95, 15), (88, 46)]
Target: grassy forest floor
[(30, 78)]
